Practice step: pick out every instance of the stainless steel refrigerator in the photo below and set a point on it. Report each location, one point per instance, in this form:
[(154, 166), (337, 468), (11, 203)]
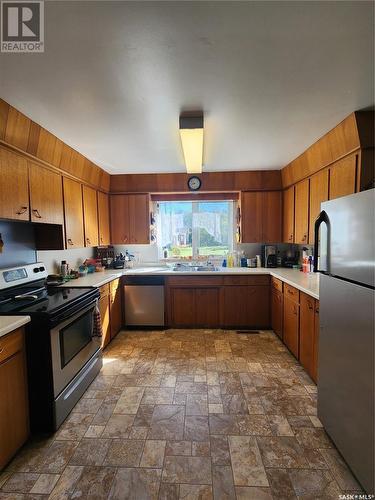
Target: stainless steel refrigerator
[(346, 342)]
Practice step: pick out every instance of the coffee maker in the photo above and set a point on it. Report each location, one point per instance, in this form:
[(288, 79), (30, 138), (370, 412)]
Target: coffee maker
[(269, 255)]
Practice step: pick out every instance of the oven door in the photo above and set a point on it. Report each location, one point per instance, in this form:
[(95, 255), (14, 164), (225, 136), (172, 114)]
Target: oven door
[(72, 345)]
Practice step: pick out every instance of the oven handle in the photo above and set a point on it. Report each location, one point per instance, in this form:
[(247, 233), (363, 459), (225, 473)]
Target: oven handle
[(61, 321)]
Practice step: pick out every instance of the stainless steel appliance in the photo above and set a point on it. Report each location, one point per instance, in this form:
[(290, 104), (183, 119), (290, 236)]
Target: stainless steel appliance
[(346, 342), (269, 256), (144, 301), (63, 357)]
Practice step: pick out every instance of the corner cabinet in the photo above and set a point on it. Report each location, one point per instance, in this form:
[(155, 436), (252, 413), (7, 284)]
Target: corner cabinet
[(14, 416), (130, 219), (261, 216), (288, 215)]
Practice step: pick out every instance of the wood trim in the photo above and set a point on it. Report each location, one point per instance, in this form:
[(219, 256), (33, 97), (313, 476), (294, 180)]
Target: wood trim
[(26, 137), (195, 196), (254, 180)]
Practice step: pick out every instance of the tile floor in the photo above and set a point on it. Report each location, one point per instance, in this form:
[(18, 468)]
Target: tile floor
[(189, 414)]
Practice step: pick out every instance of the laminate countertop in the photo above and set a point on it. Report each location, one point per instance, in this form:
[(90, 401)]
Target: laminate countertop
[(10, 323), (305, 282)]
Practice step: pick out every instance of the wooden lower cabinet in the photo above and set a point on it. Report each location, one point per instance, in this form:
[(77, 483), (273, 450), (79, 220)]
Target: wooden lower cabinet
[(194, 307), (115, 307), (182, 307), (277, 312), (207, 307), (246, 306), (291, 320), (14, 417), (104, 308), (309, 334)]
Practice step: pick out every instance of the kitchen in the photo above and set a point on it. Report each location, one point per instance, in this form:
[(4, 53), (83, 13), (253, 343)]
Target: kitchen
[(187, 276)]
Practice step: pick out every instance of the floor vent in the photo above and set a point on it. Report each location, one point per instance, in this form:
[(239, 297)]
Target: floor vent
[(248, 331)]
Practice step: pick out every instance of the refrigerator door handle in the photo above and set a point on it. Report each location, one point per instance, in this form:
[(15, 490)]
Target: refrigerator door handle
[(322, 217)]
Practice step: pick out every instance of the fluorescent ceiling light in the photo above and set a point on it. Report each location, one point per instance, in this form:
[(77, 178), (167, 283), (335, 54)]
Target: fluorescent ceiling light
[(191, 133)]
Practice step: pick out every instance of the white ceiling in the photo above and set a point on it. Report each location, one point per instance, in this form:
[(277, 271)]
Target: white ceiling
[(271, 77)]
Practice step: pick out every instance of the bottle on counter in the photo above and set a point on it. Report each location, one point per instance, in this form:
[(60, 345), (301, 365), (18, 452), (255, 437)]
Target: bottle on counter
[(230, 260), (259, 262), (64, 268)]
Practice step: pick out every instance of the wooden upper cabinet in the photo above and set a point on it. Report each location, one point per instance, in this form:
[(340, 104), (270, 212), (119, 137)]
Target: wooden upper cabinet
[(90, 216), (103, 218), (46, 195), (119, 205), (73, 209), (261, 216), (301, 212), (139, 218), (272, 217), (343, 175), (14, 191), (318, 194), (251, 210), (130, 218), (288, 215)]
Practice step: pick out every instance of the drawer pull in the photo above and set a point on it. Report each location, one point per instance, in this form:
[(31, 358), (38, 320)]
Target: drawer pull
[(70, 241), (36, 213), (21, 211)]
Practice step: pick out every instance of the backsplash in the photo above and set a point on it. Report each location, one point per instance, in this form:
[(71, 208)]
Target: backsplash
[(19, 244), (52, 258)]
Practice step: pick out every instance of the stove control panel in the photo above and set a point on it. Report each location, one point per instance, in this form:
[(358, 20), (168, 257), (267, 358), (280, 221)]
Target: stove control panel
[(22, 274)]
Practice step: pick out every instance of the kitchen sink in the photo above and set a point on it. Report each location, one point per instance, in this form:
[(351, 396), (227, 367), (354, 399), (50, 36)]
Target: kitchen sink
[(190, 269)]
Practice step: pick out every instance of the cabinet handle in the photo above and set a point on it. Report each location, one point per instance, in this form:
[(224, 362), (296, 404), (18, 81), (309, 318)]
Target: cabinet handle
[(36, 213), (295, 311), (1, 350), (22, 211), (101, 239), (309, 305), (304, 237), (291, 237), (88, 241), (125, 239), (317, 310), (70, 241)]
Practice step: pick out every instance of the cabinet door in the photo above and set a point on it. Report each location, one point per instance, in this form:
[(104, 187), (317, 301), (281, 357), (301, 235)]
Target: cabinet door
[(116, 313), (207, 307), (314, 373), (288, 215), (90, 213), (14, 427), (246, 306), (119, 209), (139, 218), (318, 194), (307, 332), (277, 312), (342, 178), (73, 210), (105, 316), (301, 212), (46, 196), (182, 306), (251, 220), (291, 325), (14, 190), (272, 217), (103, 218)]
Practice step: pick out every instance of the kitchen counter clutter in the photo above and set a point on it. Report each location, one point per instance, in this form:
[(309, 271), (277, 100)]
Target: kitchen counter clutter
[(10, 323), (307, 283)]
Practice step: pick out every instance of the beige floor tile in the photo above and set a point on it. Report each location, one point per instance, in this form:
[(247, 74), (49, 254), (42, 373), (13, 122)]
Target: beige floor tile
[(153, 454), (134, 484), (195, 492), (192, 470), (45, 484), (124, 453), (248, 469)]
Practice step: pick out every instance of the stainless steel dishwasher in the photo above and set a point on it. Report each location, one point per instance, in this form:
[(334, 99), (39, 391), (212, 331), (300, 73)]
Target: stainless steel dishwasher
[(144, 301)]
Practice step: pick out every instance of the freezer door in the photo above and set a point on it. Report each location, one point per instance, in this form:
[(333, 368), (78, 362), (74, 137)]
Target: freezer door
[(349, 243), (346, 373)]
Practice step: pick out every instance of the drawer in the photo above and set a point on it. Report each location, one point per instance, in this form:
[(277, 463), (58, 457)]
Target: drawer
[(104, 290), (291, 292), (114, 285), (277, 284), (10, 344), (247, 280), (194, 281)]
